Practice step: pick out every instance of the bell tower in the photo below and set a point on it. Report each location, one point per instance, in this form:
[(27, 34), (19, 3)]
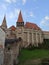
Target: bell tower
[(20, 22)]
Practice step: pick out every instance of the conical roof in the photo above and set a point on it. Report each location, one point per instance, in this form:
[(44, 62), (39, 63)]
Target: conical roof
[(20, 19), (4, 24)]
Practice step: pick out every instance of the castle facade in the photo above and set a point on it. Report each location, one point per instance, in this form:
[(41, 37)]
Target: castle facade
[(30, 33)]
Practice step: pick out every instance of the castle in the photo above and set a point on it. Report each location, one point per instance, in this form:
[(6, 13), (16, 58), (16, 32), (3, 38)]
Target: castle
[(30, 33)]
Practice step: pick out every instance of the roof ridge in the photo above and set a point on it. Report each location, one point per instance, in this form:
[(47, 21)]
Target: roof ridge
[(12, 27), (32, 25)]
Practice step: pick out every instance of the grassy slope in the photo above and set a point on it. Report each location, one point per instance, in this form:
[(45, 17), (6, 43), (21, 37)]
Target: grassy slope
[(34, 54)]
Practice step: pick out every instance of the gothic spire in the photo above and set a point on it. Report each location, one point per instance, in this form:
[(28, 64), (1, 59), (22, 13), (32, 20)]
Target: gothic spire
[(4, 24), (20, 19)]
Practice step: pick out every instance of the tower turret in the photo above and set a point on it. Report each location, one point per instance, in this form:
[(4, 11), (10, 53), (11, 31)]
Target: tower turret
[(4, 24), (20, 22)]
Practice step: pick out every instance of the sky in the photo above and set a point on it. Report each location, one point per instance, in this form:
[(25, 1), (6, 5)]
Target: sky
[(34, 11)]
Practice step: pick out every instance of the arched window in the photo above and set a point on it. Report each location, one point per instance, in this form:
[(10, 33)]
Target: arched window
[(20, 38)]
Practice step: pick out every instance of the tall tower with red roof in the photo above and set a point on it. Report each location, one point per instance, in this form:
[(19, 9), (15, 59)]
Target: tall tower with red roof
[(20, 22)]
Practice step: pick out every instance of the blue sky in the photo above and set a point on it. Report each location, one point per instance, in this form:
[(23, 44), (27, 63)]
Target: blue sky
[(34, 11)]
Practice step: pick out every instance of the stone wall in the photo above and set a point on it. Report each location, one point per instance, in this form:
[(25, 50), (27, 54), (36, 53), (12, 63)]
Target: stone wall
[(30, 36), (11, 53), (46, 34)]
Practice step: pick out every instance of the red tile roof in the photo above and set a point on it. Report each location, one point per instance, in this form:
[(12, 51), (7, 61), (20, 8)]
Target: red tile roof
[(46, 32), (13, 28), (20, 19), (32, 25)]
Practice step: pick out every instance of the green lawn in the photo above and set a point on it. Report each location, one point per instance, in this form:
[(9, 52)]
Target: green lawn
[(33, 54)]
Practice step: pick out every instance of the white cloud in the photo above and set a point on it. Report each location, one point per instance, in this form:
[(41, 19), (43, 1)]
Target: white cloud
[(45, 21), (46, 17), (31, 14), (28, 14), (14, 1), (13, 13), (23, 1), (17, 11), (3, 6), (12, 16), (10, 1)]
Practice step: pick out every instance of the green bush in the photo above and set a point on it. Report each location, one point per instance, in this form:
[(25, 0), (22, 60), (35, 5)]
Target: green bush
[(44, 45)]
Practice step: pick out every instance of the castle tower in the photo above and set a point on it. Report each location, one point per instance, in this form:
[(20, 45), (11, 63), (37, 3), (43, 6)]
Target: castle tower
[(4, 24), (20, 22)]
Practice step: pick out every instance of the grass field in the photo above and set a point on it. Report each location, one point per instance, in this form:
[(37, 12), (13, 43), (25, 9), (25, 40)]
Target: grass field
[(32, 54)]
